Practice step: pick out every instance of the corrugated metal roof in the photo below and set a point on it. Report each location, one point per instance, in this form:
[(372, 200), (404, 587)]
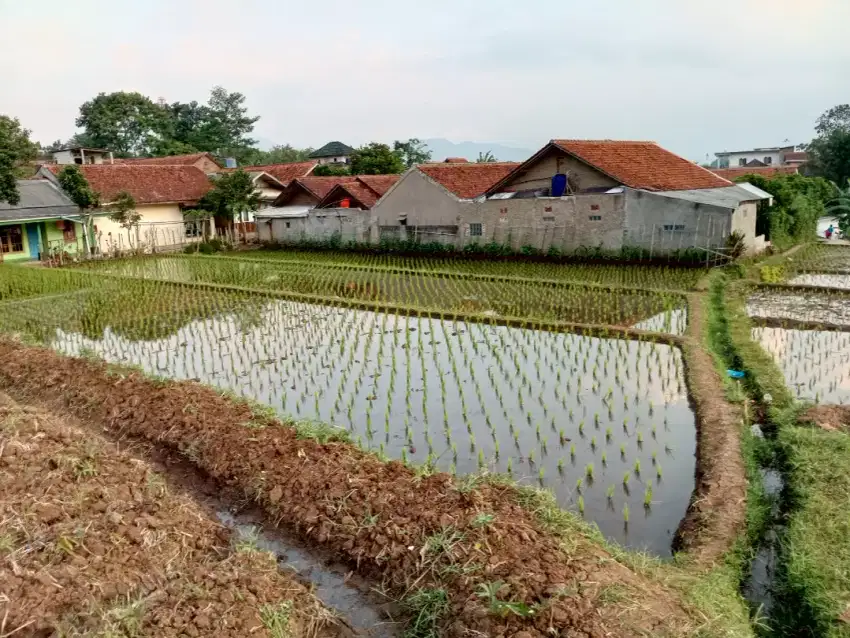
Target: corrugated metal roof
[(726, 197), (39, 199)]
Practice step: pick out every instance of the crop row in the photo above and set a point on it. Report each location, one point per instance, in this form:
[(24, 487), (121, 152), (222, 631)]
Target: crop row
[(548, 301)]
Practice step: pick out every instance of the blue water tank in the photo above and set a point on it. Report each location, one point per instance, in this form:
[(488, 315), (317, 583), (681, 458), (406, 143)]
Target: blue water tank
[(559, 185)]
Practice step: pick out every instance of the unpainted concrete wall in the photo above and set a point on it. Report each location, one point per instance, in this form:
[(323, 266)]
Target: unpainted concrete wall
[(424, 202), (347, 223), (540, 174)]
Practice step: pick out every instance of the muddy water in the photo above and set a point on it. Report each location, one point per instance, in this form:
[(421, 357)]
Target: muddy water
[(332, 583), (583, 416), (819, 279), (813, 307), (816, 364)]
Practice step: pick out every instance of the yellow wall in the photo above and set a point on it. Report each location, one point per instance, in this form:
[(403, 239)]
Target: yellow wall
[(161, 225)]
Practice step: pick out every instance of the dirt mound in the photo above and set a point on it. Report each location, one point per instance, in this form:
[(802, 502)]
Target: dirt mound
[(828, 417), (93, 543), (467, 557)]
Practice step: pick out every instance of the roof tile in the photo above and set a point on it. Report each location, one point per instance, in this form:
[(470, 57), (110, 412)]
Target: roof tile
[(283, 172), (468, 180), (765, 171), (147, 184), (168, 160), (642, 165)]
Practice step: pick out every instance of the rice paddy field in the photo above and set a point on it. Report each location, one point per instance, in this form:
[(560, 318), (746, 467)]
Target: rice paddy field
[(603, 422)]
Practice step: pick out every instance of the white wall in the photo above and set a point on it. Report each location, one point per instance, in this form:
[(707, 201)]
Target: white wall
[(776, 158), (340, 159), (161, 226)]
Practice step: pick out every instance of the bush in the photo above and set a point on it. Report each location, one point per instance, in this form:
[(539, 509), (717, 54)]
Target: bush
[(736, 244)]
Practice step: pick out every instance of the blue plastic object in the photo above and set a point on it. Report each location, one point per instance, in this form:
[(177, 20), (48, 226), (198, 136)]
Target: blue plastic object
[(735, 374), (559, 185)]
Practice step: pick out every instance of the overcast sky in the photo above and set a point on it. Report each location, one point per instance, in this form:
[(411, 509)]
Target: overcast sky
[(695, 76)]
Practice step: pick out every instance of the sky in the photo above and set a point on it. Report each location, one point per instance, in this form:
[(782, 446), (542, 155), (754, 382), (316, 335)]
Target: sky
[(697, 77)]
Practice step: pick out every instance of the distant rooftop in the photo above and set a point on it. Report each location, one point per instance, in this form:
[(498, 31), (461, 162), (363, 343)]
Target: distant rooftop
[(332, 149)]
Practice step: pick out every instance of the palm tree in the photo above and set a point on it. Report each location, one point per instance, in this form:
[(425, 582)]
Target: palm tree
[(486, 158), (840, 207)]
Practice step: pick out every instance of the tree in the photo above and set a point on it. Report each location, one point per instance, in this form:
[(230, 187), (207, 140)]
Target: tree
[(16, 150), (123, 212), (376, 159), (226, 126), (830, 155), (76, 187), (279, 154), (413, 151), (840, 207), (836, 118), (486, 158), (129, 124), (331, 170), (231, 196)]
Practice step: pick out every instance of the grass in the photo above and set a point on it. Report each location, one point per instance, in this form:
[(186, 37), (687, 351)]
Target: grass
[(814, 577), (427, 607), (276, 619)]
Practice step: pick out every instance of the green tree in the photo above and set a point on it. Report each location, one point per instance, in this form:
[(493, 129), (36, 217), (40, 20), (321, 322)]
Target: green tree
[(376, 159), (227, 124), (129, 124), (232, 195), (836, 118), (331, 170), (830, 155), (16, 150), (840, 207), (413, 151), (123, 211), (486, 158)]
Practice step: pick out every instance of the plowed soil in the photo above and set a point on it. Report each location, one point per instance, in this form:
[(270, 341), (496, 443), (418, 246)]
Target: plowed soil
[(828, 417), (93, 543), (410, 532)]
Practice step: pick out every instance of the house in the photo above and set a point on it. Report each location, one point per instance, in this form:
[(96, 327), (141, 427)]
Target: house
[(766, 171), (767, 156), (610, 194), (82, 155), (305, 193), (45, 220), (333, 153), (204, 161), (429, 200), (162, 192), (362, 192), (283, 173)]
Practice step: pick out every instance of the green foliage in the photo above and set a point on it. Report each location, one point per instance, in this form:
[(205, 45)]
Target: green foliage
[(279, 154), (76, 186), (829, 152), (413, 151), (486, 158), (231, 195), (16, 150), (427, 607), (123, 211), (798, 203), (840, 207), (376, 159), (736, 244), (329, 170), (772, 274), (129, 124)]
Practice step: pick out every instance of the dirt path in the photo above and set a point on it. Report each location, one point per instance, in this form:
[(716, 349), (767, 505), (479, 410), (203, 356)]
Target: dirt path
[(93, 542), (717, 513), (466, 554)]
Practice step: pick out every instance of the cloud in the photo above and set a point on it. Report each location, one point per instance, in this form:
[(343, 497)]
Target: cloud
[(697, 77)]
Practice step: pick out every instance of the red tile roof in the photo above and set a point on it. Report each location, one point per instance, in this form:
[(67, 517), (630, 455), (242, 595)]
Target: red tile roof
[(363, 196), (170, 160), (147, 184), (765, 171), (796, 155), (284, 172), (642, 165), (468, 180), (380, 184), (322, 185)]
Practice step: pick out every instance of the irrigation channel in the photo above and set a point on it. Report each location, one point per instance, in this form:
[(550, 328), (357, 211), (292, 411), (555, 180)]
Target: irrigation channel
[(605, 423)]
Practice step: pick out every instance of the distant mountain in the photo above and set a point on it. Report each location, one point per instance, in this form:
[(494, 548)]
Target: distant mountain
[(442, 148)]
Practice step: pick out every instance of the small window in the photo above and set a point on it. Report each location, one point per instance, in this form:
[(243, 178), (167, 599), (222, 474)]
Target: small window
[(742, 161), (594, 207), (768, 160), (595, 218), (476, 230), (674, 227), (12, 238)]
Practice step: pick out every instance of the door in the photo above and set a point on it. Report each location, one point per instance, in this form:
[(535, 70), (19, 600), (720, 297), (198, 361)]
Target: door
[(34, 240)]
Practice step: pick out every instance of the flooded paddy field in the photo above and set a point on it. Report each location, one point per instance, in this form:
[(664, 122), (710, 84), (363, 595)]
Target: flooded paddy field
[(604, 423)]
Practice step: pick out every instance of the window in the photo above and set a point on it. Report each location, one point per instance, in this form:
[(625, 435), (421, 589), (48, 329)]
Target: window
[(289, 224), (12, 238), (742, 161), (594, 207), (194, 227), (69, 233), (674, 227), (595, 218), (768, 160), (476, 230)]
